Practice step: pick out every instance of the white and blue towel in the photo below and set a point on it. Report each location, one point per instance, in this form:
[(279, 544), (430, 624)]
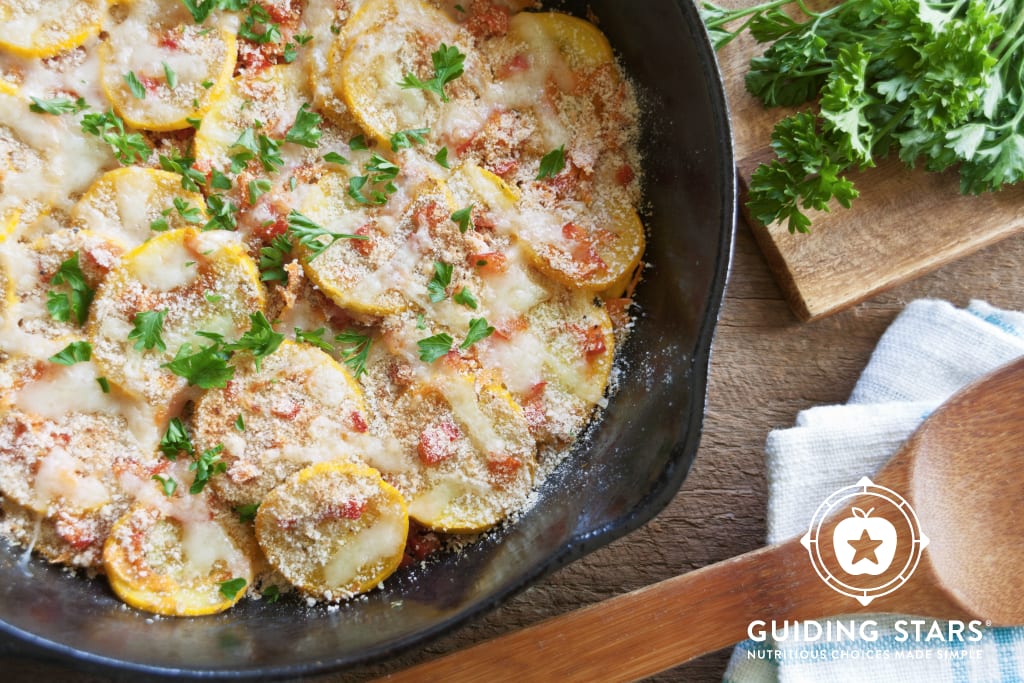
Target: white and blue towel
[(929, 352)]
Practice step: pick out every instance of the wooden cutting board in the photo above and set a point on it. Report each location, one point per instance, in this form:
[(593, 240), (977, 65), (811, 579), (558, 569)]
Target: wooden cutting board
[(904, 224)]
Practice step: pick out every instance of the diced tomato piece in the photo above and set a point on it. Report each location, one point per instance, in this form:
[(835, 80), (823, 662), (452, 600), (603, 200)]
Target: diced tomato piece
[(503, 167), (358, 422), (286, 409), (429, 216), (504, 468), (487, 20), (507, 328), (489, 263), (517, 64), (437, 441), (363, 247), (74, 531), (624, 175), (420, 543), (591, 341), (350, 509), (583, 251)]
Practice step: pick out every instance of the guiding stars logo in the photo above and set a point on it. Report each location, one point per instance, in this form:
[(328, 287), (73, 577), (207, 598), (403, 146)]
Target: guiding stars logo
[(875, 546)]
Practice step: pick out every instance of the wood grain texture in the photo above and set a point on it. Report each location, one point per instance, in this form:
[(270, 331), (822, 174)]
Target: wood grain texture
[(905, 223)]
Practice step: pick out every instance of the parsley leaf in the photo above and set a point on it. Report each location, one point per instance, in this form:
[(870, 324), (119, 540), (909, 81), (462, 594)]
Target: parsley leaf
[(148, 326), (357, 143), (168, 484), (355, 349), (258, 188), (448, 65), (259, 17), (308, 234), (206, 368), (404, 139), (75, 352), (438, 284), (57, 106), (335, 158), (305, 131), (221, 212), (62, 306), (464, 218), (192, 179), (129, 148), (552, 163), (135, 85), (104, 384), (176, 440), (435, 347), (207, 465), (466, 298), (272, 594), (260, 339), (170, 75), (240, 423), (478, 329), (273, 258), (247, 513), (442, 157), (314, 338)]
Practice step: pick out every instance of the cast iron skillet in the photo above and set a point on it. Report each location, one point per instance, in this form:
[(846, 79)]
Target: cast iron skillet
[(629, 468)]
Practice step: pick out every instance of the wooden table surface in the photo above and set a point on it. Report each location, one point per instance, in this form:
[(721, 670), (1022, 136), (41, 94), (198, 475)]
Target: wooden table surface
[(766, 367)]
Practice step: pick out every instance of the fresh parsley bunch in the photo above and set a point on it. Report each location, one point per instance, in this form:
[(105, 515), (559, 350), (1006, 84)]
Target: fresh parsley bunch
[(939, 82)]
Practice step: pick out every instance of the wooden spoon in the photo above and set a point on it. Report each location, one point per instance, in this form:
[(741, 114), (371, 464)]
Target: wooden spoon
[(963, 473)]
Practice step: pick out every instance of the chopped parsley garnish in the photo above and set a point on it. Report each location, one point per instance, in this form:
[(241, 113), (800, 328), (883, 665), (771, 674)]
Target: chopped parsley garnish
[(188, 213), (273, 258), (478, 329), (195, 122), (249, 146), (129, 148), (442, 157), (258, 188), (272, 593), (260, 339), (58, 106), (205, 466), (135, 85), (335, 158), (221, 212), (438, 285), (466, 298), (448, 65), (104, 384), (247, 513), (75, 352), (379, 176), (148, 326), (240, 423), (421, 323), (552, 163), (176, 440), (314, 338), (404, 139), (434, 347), (170, 75), (213, 298), (62, 305), (219, 181), (308, 234), (192, 180), (206, 368), (357, 143), (355, 349), (200, 9), (305, 130), (464, 218), (258, 26), (167, 484)]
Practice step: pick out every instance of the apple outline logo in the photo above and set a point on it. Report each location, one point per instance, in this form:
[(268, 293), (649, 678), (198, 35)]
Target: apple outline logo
[(858, 526), (837, 501)]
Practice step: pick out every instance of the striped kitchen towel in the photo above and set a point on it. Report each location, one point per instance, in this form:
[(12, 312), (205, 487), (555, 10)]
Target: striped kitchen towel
[(929, 352)]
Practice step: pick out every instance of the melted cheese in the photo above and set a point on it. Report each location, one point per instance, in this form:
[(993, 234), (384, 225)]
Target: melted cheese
[(382, 540), (207, 546), (59, 478)]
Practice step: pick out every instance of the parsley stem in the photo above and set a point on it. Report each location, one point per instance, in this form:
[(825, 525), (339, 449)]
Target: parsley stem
[(1006, 48)]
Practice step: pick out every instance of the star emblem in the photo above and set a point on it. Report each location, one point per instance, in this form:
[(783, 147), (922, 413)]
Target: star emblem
[(864, 548)]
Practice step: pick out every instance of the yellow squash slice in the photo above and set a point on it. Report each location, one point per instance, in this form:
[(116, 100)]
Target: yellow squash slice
[(388, 268), (204, 281), (467, 457), (164, 565), (334, 530), (159, 68), (298, 408), (43, 28), (553, 35), (392, 40), (131, 204)]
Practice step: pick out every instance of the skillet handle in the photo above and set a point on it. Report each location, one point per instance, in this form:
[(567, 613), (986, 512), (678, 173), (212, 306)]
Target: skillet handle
[(651, 629)]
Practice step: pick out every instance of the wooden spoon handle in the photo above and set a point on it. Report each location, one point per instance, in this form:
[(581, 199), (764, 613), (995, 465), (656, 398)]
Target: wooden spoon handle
[(651, 629)]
